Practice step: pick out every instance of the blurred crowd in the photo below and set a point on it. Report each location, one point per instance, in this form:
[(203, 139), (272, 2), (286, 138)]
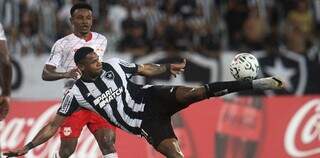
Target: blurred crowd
[(144, 26), (286, 32)]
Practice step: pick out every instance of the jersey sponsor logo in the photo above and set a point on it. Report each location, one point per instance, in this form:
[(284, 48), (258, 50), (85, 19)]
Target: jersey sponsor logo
[(67, 131), (109, 75), (107, 97)]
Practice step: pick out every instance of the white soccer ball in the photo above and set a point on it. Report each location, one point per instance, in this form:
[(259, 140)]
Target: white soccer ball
[(244, 66)]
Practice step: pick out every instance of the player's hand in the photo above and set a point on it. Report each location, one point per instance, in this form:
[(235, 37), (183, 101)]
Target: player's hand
[(73, 73), (4, 107), (178, 68), (16, 153)]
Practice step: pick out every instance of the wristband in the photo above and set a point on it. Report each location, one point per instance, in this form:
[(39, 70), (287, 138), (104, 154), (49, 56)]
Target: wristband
[(30, 146)]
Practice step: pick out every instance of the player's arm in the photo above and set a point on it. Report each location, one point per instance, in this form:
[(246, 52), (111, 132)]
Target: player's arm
[(6, 68), (50, 73), (42, 136), (6, 76), (150, 70), (68, 106)]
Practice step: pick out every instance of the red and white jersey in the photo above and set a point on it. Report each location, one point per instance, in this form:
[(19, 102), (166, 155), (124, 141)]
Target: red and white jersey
[(2, 36), (63, 50)]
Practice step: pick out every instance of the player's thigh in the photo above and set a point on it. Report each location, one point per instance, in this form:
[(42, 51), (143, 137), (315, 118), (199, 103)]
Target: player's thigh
[(157, 129), (68, 146), (170, 148), (73, 125), (103, 131), (162, 100)]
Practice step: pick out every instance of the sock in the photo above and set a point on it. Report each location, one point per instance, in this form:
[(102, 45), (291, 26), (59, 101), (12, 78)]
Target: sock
[(221, 88), (111, 155), (267, 83), (56, 155)]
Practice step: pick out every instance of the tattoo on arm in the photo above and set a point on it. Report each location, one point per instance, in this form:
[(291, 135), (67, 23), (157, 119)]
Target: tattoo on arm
[(150, 70)]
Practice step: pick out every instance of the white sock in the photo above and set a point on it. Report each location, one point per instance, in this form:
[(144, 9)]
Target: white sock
[(56, 155), (111, 155)]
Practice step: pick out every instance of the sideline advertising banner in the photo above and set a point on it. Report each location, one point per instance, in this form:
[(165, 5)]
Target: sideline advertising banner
[(270, 127)]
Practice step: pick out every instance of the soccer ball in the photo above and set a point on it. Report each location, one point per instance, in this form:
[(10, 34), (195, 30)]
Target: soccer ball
[(244, 66)]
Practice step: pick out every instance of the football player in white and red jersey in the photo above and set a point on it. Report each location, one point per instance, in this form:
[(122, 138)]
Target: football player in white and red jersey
[(61, 57), (5, 76)]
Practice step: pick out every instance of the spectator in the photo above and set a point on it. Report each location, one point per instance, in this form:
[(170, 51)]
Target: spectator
[(237, 13), (301, 17), (207, 43), (134, 41), (254, 30)]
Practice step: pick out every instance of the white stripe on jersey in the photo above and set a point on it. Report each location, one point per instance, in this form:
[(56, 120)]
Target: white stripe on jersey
[(65, 105)]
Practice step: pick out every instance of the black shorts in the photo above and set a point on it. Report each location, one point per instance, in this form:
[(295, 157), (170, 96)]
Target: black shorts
[(161, 104)]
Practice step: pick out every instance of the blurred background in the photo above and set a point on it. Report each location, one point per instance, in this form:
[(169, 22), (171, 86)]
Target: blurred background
[(284, 35)]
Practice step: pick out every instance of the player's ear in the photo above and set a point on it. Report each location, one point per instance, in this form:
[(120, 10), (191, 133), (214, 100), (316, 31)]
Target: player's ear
[(81, 66), (71, 20)]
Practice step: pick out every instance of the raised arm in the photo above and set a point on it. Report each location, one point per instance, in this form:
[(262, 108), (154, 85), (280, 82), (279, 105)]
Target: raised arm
[(150, 70), (42, 136)]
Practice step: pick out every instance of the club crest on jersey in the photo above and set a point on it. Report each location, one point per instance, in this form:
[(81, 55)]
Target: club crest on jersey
[(109, 75), (67, 131)]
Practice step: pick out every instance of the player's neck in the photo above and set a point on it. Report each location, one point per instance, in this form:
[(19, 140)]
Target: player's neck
[(82, 35), (89, 78)]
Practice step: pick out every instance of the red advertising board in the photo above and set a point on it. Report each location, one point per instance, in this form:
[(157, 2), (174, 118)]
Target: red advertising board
[(281, 127)]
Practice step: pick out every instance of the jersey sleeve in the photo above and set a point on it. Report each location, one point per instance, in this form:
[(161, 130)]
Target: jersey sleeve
[(68, 105), (128, 68), (2, 36), (55, 55), (102, 48)]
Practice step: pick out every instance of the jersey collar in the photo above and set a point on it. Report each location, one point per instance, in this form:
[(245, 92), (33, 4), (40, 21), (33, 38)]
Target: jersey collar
[(86, 39)]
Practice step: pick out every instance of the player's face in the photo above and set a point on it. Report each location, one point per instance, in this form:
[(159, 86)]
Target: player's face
[(82, 21), (92, 65)]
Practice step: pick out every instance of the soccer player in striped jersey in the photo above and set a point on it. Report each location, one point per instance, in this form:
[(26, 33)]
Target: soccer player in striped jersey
[(144, 110), (5, 76), (62, 58)]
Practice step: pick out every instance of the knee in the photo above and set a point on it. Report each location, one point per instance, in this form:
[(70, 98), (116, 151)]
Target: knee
[(170, 148), (109, 139), (66, 152), (106, 143), (175, 154)]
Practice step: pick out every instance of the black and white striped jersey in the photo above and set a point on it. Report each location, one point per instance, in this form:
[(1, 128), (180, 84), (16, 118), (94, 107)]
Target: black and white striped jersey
[(112, 95)]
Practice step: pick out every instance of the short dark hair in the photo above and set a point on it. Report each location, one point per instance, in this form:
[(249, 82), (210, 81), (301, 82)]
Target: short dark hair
[(81, 5), (81, 53)]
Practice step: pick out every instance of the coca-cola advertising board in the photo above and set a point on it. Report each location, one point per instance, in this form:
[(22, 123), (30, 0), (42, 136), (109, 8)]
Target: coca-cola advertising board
[(289, 127)]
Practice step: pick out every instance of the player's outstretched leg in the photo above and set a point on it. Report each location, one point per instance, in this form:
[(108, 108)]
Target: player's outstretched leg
[(189, 95), (170, 148)]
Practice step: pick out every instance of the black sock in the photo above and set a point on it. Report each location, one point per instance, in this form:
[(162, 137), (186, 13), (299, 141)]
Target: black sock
[(222, 88)]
